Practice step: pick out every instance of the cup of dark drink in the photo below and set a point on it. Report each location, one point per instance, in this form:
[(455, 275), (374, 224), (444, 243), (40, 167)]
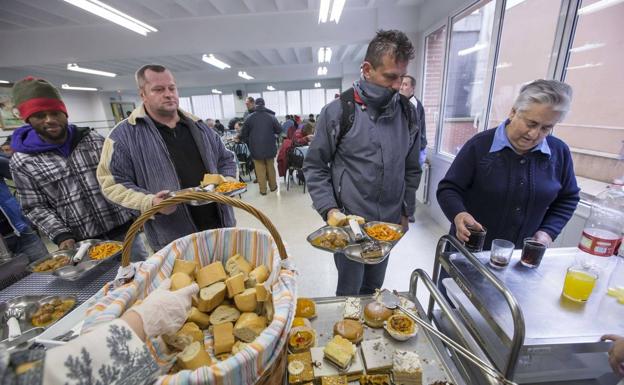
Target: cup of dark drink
[(500, 253), (532, 252), (476, 239)]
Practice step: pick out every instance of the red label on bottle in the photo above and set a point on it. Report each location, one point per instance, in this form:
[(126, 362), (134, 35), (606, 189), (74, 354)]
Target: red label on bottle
[(596, 245)]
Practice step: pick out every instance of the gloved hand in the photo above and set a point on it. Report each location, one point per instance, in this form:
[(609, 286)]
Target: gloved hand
[(163, 311)]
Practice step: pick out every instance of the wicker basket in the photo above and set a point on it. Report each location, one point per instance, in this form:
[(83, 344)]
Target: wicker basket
[(262, 362)]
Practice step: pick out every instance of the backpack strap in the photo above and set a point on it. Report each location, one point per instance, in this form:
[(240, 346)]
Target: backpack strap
[(347, 101)]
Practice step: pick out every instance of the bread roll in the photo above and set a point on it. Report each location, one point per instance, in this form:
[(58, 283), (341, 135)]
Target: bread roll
[(192, 330), (238, 264), (223, 338), (184, 266), (212, 179), (246, 301), (257, 275), (210, 297), (224, 313), (238, 346), (349, 329), (210, 274), (375, 314), (235, 284), (249, 326), (261, 292), (201, 319), (193, 357), (180, 280), (336, 219)]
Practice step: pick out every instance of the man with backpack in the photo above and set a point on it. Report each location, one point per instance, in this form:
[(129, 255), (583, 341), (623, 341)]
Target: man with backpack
[(364, 157)]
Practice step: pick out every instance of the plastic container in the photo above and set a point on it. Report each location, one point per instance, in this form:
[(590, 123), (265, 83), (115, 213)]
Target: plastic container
[(602, 233)]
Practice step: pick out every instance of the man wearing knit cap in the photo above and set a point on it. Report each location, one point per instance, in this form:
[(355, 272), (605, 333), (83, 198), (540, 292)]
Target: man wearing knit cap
[(54, 169)]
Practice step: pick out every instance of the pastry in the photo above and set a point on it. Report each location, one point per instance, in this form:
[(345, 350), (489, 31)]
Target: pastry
[(300, 368), (193, 357), (305, 308), (301, 338), (300, 321), (334, 380), (406, 368), (249, 326), (224, 313), (375, 314), (375, 379), (352, 308), (377, 355), (184, 266), (223, 338), (210, 274), (349, 329), (402, 324), (211, 296), (339, 351)]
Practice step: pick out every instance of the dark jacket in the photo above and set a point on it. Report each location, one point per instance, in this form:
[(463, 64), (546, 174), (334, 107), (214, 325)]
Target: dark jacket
[(259, 132), (512, 195), (8, 204)]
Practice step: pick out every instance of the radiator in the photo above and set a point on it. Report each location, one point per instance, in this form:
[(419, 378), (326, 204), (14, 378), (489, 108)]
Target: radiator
[(422, 194)]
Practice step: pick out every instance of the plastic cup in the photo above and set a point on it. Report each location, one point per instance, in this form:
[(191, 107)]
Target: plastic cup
[(500, 253), (532, 252), (475, 240)]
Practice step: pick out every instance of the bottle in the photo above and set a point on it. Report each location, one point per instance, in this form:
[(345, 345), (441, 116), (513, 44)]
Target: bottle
[(603, 228), (615, 288)]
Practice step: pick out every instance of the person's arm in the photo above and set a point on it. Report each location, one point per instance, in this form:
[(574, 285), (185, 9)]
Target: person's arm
[(422, 128), (413, 172), (244, 133), (277, 129)]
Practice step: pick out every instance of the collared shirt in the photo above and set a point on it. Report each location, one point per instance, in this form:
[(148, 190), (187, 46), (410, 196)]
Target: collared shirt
[(501, 141)]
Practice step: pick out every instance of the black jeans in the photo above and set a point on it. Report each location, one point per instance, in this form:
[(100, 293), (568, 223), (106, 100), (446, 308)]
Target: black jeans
[(356, 278)]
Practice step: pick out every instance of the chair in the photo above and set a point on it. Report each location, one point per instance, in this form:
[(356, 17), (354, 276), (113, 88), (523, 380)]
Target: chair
[(294, 159), (244, 159)]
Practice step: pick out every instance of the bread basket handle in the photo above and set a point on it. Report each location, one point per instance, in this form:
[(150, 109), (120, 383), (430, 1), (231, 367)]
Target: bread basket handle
[(191, 196)]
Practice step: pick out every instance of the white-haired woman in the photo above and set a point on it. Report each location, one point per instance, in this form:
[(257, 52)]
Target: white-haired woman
[(516, 180)]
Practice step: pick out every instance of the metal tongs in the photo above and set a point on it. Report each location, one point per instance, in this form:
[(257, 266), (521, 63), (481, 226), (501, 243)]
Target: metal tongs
[(391, 300)]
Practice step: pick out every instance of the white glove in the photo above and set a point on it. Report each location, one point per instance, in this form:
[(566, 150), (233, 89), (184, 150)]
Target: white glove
[(163, 311)]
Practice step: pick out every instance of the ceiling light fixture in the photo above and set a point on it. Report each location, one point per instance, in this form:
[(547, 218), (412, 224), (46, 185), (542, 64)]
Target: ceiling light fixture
[(270, 88), (216, 91), (111, 14), (317, 85), (4, 82), (321, 71), (473, 49), (336, 10), (68, 87), (74, 67), (587, 47), (244, 75), (210, 59), (598, 6), (324, 55)]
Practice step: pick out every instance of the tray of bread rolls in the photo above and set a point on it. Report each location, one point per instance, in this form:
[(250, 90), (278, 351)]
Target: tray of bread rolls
[(356, 340), (361, 241)]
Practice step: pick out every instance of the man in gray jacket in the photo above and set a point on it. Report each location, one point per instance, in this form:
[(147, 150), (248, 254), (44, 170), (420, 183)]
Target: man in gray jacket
[(368, 167)]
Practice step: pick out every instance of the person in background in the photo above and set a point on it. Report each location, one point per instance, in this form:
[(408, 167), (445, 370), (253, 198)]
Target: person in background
[(219, 127), (161, 148), (211, 124), (6, 147), (54, 170), (289, 122), (304, 136), (311, 118), (516, 180), (259, 131), (408, 83), (250, 104), (371, 170), (114, 353)]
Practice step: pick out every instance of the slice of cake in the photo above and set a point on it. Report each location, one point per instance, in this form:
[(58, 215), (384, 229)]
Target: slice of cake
[(334, 380), (406, 368), (353, 308), (339, 351)]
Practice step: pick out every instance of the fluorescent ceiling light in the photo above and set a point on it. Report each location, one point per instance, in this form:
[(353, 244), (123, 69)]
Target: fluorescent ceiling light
[(586, 65), (587, 47), (4, 82), (74, 67), (68, 87), (336, 10), (321, 71), (324, 55), (503, 65), (598, 6), (216, 91), (109, 13), (270, 88), (474, 48), (317, 85), (244, 75), (210, 59)]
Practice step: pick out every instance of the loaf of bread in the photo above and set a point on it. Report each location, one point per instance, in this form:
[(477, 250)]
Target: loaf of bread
[(193, 357), (261, 293), (235, 284), (184, 266), (210, 274), (224, 313), (223, 337), (180, 280), (201, 319), (246, 301), (210, 297), (238, 264), (257, 275), (249, 326)]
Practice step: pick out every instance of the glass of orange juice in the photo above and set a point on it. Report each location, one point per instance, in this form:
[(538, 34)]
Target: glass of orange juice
[(579, 282)]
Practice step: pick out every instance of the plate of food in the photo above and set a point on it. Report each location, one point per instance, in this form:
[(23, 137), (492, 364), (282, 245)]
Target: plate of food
[(101, 250), (54, 261), (383, 231), (231, 188), (35, 311), (332, 239)]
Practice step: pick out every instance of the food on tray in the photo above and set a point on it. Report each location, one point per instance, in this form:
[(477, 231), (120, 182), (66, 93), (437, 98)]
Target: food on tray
[(339, 351), (406, 368), (200, 318), (300, 368), (210, 274), (52, 264), (334, 380), (336, 219), (375, 379), (211, 296), (212, 179), (402, 324), (371, 250), (235, 284), (184, 266), (331, 241), (224, 313), (377, 355), (306, 308), (246, 301), (258, 275), (192, 330), (375, 314), (238, 264), (193, 357), (349, 329), (300, 321), (226, 187), (352, 308), (357, 218), (249, 326), (223, 338), (383, 232), (52, 311), (180, 280), (301, 338), (104, 250)]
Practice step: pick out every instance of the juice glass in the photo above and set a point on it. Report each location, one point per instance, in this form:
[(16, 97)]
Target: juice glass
[(579, 282)]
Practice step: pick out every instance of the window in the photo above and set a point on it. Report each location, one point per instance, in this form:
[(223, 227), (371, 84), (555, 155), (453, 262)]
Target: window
[(207, 106), (254, 95), (432, 82), (185, 104), (294, 102), (330, 94), (276, 101), (312, 101), (594, 128), (229, 110), (524, 54), (466, 83)]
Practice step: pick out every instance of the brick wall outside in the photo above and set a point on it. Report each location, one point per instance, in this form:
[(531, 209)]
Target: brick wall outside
[(432, 87)]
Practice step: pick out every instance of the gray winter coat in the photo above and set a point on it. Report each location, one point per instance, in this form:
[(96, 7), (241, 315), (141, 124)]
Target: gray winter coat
[(259, 132), (373, 173)]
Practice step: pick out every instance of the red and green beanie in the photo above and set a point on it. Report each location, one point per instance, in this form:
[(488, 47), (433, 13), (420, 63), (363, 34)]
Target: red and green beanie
[(32, 95)]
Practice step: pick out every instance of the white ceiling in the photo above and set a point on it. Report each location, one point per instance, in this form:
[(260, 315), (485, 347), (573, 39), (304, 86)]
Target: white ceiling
[(273, 40)]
